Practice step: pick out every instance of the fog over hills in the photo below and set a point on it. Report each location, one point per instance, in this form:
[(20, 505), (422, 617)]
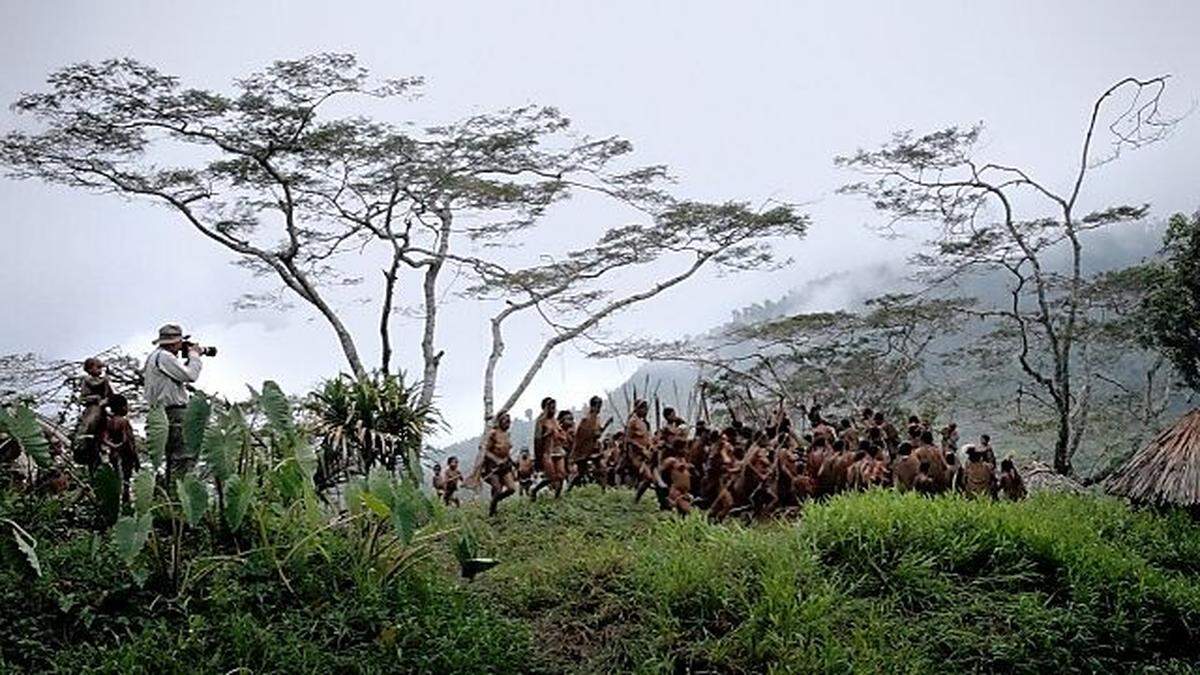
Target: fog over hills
[(978, 392)]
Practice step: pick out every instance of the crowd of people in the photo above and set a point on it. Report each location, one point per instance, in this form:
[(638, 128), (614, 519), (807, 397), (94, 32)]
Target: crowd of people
[(739, 469)]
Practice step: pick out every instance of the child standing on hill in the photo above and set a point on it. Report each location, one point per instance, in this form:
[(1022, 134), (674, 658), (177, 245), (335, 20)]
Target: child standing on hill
[(118, 440), (439, 480), (525, 471), (450, 480), (94, 392)]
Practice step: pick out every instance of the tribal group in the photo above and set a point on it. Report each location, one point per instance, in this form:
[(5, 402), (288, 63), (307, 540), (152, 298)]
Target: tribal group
[(739, 469)]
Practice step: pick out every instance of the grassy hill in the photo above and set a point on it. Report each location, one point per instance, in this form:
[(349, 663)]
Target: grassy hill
[(873, 582), (593, 583)]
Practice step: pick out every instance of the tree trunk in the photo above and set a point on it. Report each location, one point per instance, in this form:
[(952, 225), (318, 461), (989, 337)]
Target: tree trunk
[(385, 315), (306, 290), (431, 357), (1062, 444)]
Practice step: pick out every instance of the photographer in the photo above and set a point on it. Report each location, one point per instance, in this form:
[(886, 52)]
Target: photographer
[(166, 384)]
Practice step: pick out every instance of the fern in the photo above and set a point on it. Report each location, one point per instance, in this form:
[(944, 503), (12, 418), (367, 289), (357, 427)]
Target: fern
[(157, 428)]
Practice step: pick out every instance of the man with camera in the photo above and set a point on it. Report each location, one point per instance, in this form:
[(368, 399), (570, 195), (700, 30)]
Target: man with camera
[(167, 378)]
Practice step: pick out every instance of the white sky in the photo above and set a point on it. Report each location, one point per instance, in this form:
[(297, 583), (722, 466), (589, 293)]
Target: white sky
[(747, 100)]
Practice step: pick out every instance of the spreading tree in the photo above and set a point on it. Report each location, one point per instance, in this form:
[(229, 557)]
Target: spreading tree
[(993, 216)]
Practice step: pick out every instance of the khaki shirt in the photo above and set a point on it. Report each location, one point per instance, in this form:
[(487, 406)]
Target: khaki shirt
[(166, 377)]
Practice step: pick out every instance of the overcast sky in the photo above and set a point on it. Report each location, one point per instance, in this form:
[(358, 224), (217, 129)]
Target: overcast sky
[(745, 100)]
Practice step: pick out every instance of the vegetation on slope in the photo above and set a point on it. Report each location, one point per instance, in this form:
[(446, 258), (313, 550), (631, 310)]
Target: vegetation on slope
[(871, 582), (593, 583)]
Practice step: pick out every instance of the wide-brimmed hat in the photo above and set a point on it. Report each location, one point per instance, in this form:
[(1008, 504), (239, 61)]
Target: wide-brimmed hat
[(170, 333)]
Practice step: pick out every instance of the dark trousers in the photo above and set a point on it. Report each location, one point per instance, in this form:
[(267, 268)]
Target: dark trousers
[(180, 459)]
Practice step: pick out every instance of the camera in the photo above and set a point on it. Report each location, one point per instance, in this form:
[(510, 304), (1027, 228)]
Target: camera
[(204, 351)]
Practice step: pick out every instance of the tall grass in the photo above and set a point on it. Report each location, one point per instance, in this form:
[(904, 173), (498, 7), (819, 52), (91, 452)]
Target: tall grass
[(874, 582), (870, 582)]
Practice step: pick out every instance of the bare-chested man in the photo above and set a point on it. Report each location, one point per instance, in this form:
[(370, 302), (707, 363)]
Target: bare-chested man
[(985, 446), (787, 472), (587, 448), (831, 478), (673, 428), (859, 472), (890, 435), (915, 429), (1012, 486), (904, 468), (677, 473), (924, 483), (979, 477), (566, 423), (950, 437), (639, 448), (723, 470), (498, 468), (754, 487), (548, 439), (936, 457), (848, 434)]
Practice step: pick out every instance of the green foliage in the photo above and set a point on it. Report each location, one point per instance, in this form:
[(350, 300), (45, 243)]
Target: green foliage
[(874, 582), (130, 535), (864, 583), (410, 508), (27, 545), (143, 492), (21, 423), (239, 495), (193, 498), (195, 422), (157, 428), (1171, 310), (361, 423), (278, 410), (219, 449), (302, 590), (106, 485)]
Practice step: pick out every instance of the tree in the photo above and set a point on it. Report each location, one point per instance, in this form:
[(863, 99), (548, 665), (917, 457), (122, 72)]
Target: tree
[(936, 178), (1170, 310), (269, 174), (52, 386), (570, 293), (869, 357)]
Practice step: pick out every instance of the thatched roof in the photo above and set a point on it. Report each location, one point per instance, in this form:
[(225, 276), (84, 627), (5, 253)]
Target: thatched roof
[(1166, 470), (1039, 476)]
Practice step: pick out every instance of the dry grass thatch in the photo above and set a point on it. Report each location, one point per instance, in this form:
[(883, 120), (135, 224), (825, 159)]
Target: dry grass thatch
[(1040, 476), (1166, 470)]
